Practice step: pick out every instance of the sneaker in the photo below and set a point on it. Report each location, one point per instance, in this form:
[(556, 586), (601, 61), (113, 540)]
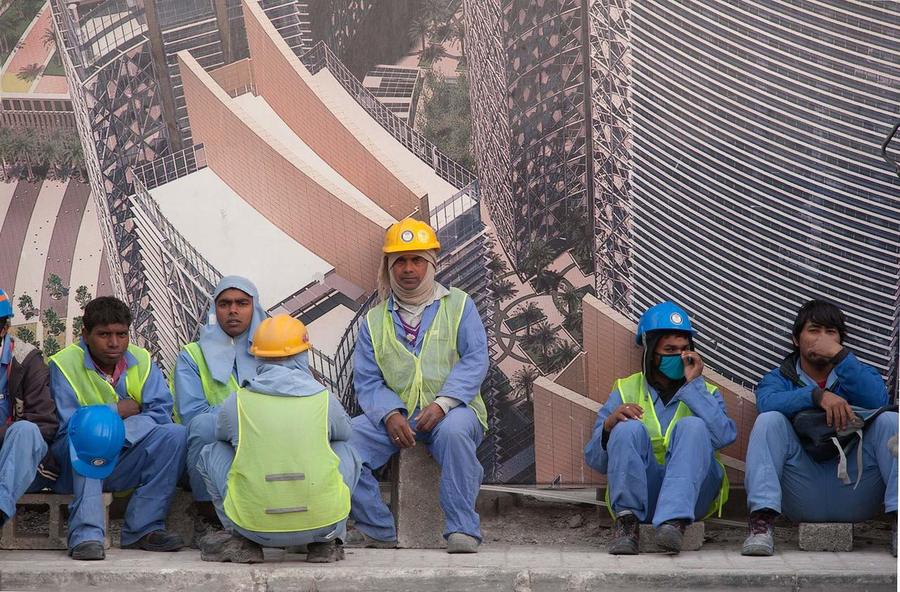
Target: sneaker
[(670, 535), (202, 527), (324, 552), (458, 542), (357, 538), (761, 540), (226, 547), (626, 535), (158, 540), (88, 551)]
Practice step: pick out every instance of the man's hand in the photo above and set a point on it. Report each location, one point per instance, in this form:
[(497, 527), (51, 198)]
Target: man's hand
[(399, 431), (826, 347), (127, 408), (693, 365), (837, 410), (622, 412), (429, 417)]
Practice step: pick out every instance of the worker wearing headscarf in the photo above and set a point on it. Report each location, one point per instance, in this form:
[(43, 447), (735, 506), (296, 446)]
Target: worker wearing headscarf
[(211, 368), (419, 362), (281, 470)]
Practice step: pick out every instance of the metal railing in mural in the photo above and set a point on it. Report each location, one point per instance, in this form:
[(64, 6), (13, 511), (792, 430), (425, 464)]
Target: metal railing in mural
[(320, 56), (171, 167)]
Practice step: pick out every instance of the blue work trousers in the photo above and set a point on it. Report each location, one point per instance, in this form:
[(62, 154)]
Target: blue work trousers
[(214, 464), (201, 431), (22, 451), (782, 477), (452, 442), (150, 466), (683, 488)]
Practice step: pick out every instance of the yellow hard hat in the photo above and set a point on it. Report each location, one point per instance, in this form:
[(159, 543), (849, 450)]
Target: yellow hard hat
[(410, 235), (279, 337)]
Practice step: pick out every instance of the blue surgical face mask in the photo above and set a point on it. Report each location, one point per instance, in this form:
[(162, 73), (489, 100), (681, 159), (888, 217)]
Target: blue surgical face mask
[(672, 366)]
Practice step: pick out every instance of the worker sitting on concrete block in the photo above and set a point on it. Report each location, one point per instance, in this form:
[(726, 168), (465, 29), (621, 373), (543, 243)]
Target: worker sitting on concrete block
[(103, 368), (821, 373), (283, 469), (657, 435), (28, 419), (420, 359), (210, 369)]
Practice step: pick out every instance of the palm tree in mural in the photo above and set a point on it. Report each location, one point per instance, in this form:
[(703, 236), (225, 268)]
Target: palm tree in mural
[(570, 297), (71, 154), (562, 354), (503, 290), (432, 53), (30, 73), (50, 153), (23, 150), (547, 280), (458, 33), (419, 29), (537, 258), (6, 153), (48, 38), (543, 339), (523, 381), (497, 264), (530, 313)]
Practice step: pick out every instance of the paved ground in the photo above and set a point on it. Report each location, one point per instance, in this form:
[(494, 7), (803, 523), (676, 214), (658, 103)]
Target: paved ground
[(497, 567)]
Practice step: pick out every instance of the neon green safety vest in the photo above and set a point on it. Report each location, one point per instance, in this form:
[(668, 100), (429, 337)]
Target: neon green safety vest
[(634, 390), (285, 475), (418, 379), (90, 387), (214, 391)]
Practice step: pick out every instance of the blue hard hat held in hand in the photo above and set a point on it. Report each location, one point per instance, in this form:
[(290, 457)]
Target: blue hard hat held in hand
[(663, 316), (96, 436), (6, 309)]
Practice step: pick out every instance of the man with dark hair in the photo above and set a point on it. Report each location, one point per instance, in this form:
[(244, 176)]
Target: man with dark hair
[(27, 417), (103, 368), (657, 435), (781, 477)]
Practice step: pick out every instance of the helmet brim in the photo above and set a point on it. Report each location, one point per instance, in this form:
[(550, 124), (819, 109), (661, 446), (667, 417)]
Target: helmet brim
[(88, 470)]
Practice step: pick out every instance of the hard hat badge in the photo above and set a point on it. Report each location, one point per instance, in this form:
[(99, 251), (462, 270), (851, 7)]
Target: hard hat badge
[(423, 236), (98, 462), (407, 236), (675, 318)]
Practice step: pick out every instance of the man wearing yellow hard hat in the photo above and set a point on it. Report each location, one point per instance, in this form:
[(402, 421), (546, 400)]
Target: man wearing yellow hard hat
[(282, 470), (420, 359)]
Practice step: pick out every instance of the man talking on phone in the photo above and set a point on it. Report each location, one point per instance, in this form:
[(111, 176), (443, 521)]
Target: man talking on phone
[(657, 435)]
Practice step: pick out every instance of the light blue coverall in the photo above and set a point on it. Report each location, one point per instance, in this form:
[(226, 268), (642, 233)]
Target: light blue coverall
[(782, 477), (225, 357), (282, 378), (151, 460), (689, 481), (453, 442), (23, 446)]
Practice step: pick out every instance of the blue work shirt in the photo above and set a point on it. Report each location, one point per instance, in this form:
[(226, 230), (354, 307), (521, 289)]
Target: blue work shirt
[(5, 361), (694, 394), (191, 399), (784, 389), (156, 400), (465, 378)]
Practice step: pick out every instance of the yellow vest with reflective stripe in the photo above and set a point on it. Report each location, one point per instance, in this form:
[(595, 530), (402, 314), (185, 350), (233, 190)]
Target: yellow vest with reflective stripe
[(417, 380), (90, 387), (214, 391), (285, 476), (633, 390)]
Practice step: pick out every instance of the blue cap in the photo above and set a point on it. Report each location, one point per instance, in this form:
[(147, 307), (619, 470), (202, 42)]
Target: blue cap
[(6, 309), (96, 437), (663, 316)]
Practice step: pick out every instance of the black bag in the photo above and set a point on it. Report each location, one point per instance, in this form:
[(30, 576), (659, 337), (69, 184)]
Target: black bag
[(823, 442)]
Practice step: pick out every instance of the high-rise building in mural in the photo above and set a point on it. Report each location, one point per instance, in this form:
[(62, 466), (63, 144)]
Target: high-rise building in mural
[(730, 157)]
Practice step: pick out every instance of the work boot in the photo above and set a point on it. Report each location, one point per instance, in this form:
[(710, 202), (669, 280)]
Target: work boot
[(227, 547), (357, 538), (202, 527), (324, 552), (626, 533), (761, 540), (158, 540), (459, 542), (88, 551), (670, 535)]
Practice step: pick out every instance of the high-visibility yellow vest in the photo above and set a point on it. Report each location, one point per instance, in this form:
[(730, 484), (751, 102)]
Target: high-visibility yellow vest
[(633, 390), (90, 387), (214, 391), (285, 476), (418, 379)]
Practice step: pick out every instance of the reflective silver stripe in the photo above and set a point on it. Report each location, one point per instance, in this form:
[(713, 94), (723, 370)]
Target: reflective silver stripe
[(285, 510), (285, 477)]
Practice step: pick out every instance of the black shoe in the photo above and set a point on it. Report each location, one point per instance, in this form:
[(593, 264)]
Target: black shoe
[(625, 536), (324, 552), (227, 547), (670, 535), (88, 551), (202, 527), (158, 540)]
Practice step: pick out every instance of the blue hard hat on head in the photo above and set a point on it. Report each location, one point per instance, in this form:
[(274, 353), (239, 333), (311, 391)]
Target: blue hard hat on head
[(96, 436), (6, 309), (663, 316)]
